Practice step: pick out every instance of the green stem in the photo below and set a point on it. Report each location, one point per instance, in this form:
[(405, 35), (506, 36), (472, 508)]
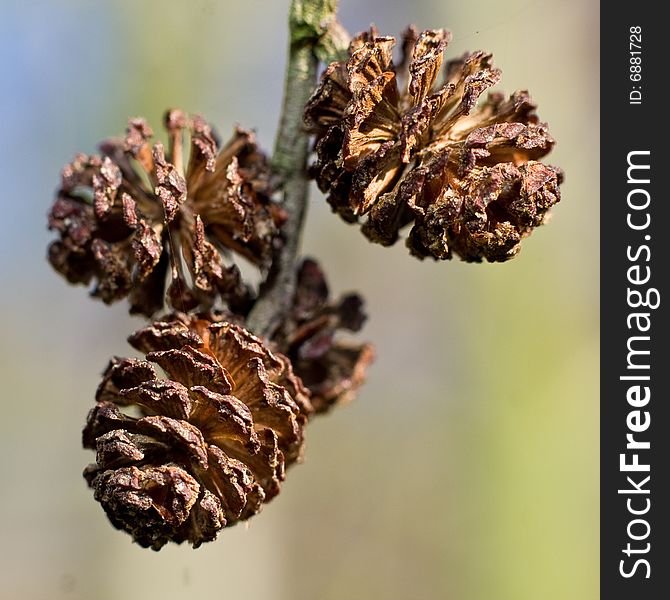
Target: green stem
[(309, 24)]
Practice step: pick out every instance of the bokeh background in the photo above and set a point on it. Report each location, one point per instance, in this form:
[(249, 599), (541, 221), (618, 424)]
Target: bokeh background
[(467, 469)]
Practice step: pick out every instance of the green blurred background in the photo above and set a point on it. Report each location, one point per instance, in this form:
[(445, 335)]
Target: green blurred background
[(467, 469)]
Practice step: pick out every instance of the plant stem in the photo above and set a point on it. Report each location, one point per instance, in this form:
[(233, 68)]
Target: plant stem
[(309, 21)]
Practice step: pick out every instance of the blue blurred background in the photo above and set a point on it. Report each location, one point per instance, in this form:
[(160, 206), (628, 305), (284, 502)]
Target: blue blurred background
[(468, 466)]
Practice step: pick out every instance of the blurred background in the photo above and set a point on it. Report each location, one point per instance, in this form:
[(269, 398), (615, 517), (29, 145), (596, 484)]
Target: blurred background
[(467, 468)]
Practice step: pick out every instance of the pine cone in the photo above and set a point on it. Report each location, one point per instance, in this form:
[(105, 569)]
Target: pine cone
[(397, 148), (332, 369), (127, 216), (181, 457)]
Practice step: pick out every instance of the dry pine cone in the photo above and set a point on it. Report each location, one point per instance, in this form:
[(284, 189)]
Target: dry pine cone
[(397, 148), (331, 368), (128, 216), (181, 457)]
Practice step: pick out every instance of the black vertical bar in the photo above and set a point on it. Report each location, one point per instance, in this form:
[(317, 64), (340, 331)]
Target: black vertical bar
[(635, 358)]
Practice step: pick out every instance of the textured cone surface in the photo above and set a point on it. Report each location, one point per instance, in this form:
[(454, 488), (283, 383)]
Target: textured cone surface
[(408, 143), (180, 456)]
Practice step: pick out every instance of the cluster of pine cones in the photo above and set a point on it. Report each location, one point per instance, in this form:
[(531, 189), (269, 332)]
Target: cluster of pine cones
[(197, 435)]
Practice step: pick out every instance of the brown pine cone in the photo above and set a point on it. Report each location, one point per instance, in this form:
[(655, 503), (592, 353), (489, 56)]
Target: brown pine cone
[(179, 458), (128, 216), (396, 147), (332, 369)]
